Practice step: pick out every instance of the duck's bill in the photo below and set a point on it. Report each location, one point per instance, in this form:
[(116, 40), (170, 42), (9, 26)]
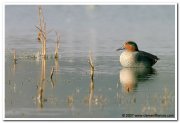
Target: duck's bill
[(122, 48)]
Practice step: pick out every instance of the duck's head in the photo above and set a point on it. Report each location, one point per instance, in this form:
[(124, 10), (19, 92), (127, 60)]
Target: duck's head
[(130, 46)]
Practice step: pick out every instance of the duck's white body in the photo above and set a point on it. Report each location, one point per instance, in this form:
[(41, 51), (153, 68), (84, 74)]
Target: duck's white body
[(127, 59)]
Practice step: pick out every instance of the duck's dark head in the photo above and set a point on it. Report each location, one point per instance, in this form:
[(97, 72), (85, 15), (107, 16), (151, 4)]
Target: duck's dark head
[(130, 46)]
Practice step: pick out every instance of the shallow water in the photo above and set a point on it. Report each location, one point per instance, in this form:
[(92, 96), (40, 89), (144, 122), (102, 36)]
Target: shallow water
[(71, 93)]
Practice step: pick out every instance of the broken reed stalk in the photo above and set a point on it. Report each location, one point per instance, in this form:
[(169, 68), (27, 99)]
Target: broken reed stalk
[(90, 61), (42, 34), (52, 72), (57, 45)]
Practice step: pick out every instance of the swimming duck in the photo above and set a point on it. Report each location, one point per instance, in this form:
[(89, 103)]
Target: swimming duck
[(133, 57)]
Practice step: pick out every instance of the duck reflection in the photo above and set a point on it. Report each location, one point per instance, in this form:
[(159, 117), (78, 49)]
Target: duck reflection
[(129, 77)]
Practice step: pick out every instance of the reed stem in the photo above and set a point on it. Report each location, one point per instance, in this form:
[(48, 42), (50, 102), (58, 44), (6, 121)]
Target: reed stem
[(42, 33), (90, 61), (57, 45)]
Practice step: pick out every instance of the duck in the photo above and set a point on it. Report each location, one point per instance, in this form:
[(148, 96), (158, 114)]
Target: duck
[(133, 57)]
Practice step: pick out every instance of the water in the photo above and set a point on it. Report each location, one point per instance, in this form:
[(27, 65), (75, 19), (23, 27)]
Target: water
[(102, 29)]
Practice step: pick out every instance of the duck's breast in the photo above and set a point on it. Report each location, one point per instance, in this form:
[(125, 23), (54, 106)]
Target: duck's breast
[(128, 59)]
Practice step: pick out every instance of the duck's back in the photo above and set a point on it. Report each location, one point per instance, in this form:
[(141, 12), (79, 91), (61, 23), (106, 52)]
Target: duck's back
[(146, 58)]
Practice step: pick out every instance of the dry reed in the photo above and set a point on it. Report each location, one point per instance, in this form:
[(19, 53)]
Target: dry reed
[(42, 33)]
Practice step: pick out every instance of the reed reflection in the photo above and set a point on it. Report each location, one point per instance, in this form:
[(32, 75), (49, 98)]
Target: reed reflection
[(41, 85), (91, 92), (13, 69), (51, 76), (56, 62), (129, 77), (56, 69)]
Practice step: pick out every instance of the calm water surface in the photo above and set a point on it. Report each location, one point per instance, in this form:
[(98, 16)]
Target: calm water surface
[(101, 29)]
